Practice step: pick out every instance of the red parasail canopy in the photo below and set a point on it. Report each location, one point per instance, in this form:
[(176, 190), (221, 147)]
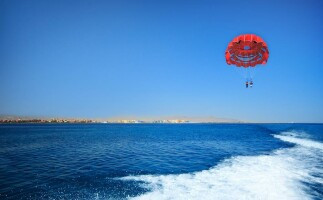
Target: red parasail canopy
[(247, 50)]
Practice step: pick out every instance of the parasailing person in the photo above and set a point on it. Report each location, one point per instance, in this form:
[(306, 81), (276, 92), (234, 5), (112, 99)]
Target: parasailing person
[(247, 51)]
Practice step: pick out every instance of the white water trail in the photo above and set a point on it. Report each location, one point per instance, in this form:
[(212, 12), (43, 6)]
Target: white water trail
[(280, 175)]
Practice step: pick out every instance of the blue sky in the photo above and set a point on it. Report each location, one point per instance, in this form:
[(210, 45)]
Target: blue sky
[(159, 58)]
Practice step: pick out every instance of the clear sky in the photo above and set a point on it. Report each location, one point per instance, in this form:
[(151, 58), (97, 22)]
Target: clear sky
[(76, 58)]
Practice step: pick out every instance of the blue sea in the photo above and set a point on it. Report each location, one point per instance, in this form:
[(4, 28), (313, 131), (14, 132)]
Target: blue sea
[(161, 161)]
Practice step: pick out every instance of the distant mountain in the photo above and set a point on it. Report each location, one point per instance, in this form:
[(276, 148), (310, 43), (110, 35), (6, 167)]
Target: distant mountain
[(197, 119)]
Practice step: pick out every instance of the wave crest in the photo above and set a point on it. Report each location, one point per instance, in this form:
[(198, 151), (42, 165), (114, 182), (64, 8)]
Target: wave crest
[(299, 141)]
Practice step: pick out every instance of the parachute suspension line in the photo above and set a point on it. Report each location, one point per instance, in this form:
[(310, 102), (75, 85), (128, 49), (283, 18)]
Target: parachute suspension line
[(249, 77), (242, 72), (249, 81)]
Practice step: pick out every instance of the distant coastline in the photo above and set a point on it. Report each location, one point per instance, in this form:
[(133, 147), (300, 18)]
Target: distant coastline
[(120, 120)]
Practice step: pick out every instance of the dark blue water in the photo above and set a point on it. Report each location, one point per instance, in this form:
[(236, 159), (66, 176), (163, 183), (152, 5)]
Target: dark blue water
[(161, 161)]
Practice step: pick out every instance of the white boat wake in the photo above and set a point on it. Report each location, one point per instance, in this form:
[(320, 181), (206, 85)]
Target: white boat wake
[(283, 174)]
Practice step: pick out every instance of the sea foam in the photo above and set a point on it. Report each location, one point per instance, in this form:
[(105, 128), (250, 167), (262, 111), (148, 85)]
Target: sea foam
[(300, 141), (283, 174)]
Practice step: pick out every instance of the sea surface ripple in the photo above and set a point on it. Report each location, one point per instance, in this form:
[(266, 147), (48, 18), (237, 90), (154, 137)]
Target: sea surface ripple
[(161, 161)]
